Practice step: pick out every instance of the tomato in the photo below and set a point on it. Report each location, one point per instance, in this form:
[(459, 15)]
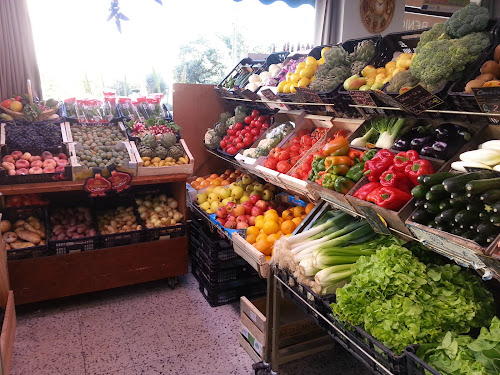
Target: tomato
[(255, 114), (305, 167), (265, 125), (223, 143), (304, 149), (270, 163), (255, 137), (309, 159), (238, 126), (283, 166), (314, 141), (274, 152), (295, 148), (296, 141), (238, 133), (238, 139), (304, 132), (258, 124), (262, 119), (306, 140), (231, 131), (240, 145), (340, 133), (293, 154), (248, 119), (245, 132), (294, 160), (283, 155), (252, 123), (254, 131), (232, 150), (297, 175), (247, 141)]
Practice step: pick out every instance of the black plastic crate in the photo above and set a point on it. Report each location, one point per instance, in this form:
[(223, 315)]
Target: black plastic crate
[(124, 238), (415, 365), (173, 231), (243, 69), (13, 214), (212, 244)]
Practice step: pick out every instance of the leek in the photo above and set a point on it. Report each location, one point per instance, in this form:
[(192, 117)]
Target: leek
[(362, 141), (331, 275), (326, 221), (306, 267), (389, 130)]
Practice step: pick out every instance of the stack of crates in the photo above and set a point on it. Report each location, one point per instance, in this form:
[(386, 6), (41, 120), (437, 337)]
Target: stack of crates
[(222, 274)]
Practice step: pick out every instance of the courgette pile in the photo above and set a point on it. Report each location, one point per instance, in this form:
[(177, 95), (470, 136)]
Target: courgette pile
[(466, 205)]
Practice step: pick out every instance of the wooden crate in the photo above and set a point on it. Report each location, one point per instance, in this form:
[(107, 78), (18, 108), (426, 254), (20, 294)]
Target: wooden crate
[(172, 169), (295, 329), (253, 256), (64, 133), (81, 172), (69, 135)]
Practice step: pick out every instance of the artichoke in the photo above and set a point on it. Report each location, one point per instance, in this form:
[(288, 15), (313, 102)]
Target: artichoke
[(176, 151), (149, 140), (161, 152), (336, 56), (364, 51), (357, 67), (146, 152), (168, 139)]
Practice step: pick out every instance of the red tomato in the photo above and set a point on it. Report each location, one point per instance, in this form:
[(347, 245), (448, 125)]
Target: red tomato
[(238, 139), (309, 159), (293, 154), (294, 160), (248, 119), (255, 137), (283, 166), (265, 125), (297, 175), (255, 114), (240, 145), (247, 141), (314, 141), (305, 167), (296, 141), (304, 149), (232, 150), (305, 140), (231, 131), (252, 123), (283, 155), (238, 126), (223, 143), (270, 163), (254, 131), (295, 148), (340, 133), (262, 119), (238, 133), (304, 132), (245, 131), (258, 124), (287, 148), (274, 152)]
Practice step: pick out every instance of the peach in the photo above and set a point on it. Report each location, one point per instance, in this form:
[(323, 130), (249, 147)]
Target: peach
[(62, 156), (55, 158), (62, 163), (37, 164), (22, 163), (8, 166), (59, 168), (49, 170), (22, 171), (8, 159), (49, 163), (16, 154), (46, 155), (12, 172), (35, 170), (35, 158), (26, 156)]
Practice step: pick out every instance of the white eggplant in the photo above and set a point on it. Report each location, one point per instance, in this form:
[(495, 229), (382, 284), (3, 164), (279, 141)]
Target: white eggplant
[(484, 156), (461, 165), (490, 145)]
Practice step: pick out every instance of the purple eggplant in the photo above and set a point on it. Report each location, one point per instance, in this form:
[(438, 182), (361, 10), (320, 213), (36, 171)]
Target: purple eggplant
[(417, 143), (441, 150), (428, 151), (445, 131)]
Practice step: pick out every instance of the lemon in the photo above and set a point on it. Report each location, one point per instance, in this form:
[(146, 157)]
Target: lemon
[(304, 82), (295, 77), (323, 52), (307, 72), (286, 88), (321, 61), (292, 89), (281, 85), (312, 79), (301, 65), (311, 61)]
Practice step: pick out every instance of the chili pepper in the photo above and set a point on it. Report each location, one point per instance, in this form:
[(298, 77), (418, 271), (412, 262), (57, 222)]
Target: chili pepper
[(336, 147), (339, 170), (329, 181), (319, 178), (317, 166), (393, 178), (343, 185), (368, 155), (356, 172), (337, 160), (364, 190), (378, 165), (402, 159), (353, 153), (417, 168), (389, 198)]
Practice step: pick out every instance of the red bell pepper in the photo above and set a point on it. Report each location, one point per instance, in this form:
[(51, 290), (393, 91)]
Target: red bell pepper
[(353, 154), (320, 177), (402, 159), (417, 168), (381, 162), (394, 178), (389, 198), (364, 190)]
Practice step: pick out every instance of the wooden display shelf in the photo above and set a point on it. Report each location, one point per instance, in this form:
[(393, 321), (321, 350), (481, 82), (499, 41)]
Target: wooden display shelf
[(51, 187), (45, 278)]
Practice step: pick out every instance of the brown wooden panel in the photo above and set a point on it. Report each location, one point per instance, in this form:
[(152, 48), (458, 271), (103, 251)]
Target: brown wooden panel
[(8, 334), (197, 108), (4, 275), (58, 276)]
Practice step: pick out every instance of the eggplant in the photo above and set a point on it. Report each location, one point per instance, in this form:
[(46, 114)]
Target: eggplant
[(446, 130), (428, 151), (417, 143), (402, 144), (441, 150)]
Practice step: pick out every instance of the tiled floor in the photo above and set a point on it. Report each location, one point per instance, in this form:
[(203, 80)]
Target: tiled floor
[(145, 329)]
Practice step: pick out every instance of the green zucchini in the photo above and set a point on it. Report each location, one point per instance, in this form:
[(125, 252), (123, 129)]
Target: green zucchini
[(465, 218), (491, 239), (421, 216), (447, 216), (495, 219), (481, 240), (444, 205), (490, 196), (434, 179), (484, 216), (469, 234), (487, 229), (456, 195), (432, 224), (419, 191), (457, 183), (496, 207), (419, 203), (436, 193), (460, 201), (432, 207), (457, 231), (473, 226), (443, 228), (479, 186), (474, 207)]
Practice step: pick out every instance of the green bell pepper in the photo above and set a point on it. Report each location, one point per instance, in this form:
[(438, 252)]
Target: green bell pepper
[(356, 172), (368, 155), (318, 165), (343, 185), (329, 181)]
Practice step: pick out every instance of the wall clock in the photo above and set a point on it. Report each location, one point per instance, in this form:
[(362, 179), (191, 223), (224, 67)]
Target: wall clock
[(377, 14)]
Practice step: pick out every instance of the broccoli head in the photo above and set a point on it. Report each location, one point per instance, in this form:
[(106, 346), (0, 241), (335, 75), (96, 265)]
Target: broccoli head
[(467, 20), (439, 60), (436, 33), (475, 43)]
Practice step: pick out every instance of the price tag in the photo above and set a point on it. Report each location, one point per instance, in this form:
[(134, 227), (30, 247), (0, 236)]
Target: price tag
[(376, 221), (308, 96), (488, 99), (362, 98), (418, 99), (271, 96), (247, 94), (387, 99), (334, 201)]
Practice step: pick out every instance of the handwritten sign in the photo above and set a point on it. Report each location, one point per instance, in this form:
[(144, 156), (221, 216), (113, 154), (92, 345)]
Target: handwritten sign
[(223, 92), (362, 98), (488, 99), (247, 94), (374, 219), (271, 96), (387, 99), (418, 100), (309, 96)]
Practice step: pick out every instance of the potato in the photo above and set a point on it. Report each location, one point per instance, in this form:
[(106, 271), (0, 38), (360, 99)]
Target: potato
[(496, 55), (491, 67), (21, 245), (9, 237), (29, 236), (5, 226), (485, 77), (473, 84)]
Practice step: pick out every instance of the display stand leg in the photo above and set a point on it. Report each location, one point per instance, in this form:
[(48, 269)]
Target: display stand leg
[(269, 313), (275, 325)]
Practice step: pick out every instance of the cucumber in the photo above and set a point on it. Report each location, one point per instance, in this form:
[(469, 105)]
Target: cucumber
[(490, 196), (460, 201), (419, 203), (495, 219), (432, 207), (447, 216), (419, 191), (496, 207), (421, 216), (475, 207), (457, 183), (469, 234), (484, 216), (481, 240), (444, 205), (436, 193), (457, 195), (434, 179), (465, 218), (457, 231), (479, 186), (487, 229)]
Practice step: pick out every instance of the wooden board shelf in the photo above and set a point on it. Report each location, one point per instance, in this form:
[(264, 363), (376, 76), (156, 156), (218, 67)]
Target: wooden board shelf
[(51, 187)]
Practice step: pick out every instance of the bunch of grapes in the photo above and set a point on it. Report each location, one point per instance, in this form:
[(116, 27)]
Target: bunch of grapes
[(42, 136)]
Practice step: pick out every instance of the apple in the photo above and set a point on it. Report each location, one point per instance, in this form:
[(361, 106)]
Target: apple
[(241, 225), (237, 192), (221, 212), (249, 188), (251, 220), (231, 217), (233, 185), (224, 193), (246, 179), (230, 224), (16, 154), (244, 198), (22, 163), (258, 187), (230, 206), (242, 219), (227, 200), (209, 190), (254, 199), (8, 159), (205, 206), (269, 186), (37, 163), (248, 207), (214, 206), (221, 221), (256, 211), (200, 198), (239, 210), (267, 195), (213, 197), (26, 156), (261, 204)]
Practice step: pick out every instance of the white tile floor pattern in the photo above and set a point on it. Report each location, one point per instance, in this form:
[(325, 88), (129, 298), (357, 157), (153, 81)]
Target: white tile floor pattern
[(144, 330)]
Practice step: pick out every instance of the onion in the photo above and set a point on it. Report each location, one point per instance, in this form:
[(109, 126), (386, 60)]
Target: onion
[(254, 78), (172, 203)]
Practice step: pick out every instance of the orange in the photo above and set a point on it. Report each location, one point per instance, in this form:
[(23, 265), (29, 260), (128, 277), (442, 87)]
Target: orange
[(270, 212), (280, 221), (309, 207), (288, 226), (297, 220), (199, 179), (271, 216), (270, 227), (214, 176), (268, 258), (279, 233), (303, 217), (287, 215), (215, 182), (298, 211), (259, 221), (288, 235), (263, 246), (252, 230), (251, 238), (204, 184), (260, 237), (228, 171), (195, 184), (225, 182), (273, 238)]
